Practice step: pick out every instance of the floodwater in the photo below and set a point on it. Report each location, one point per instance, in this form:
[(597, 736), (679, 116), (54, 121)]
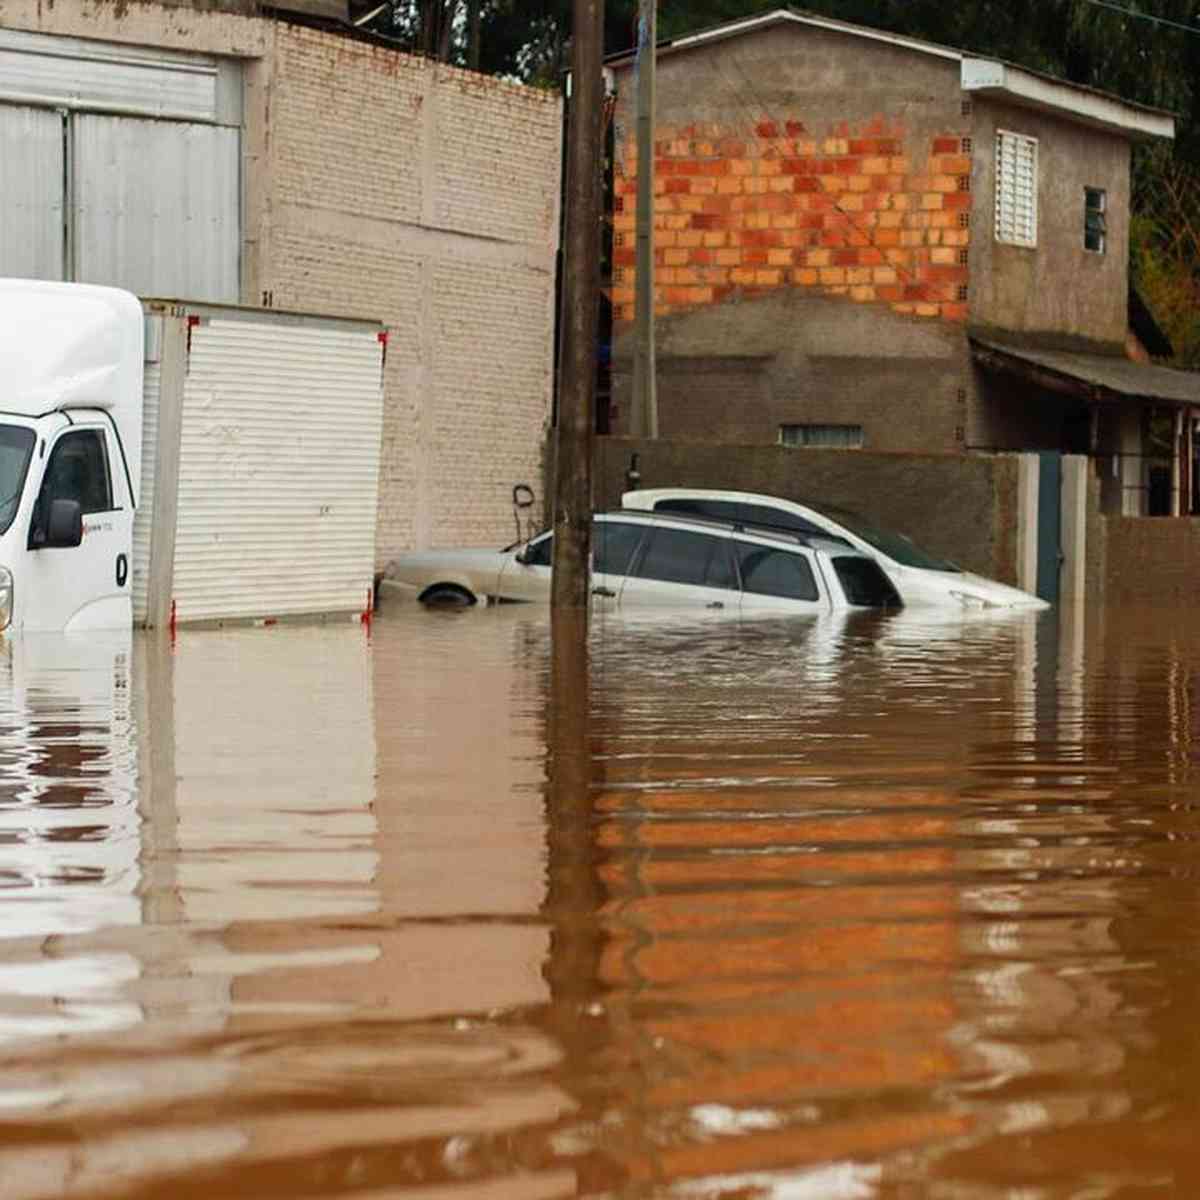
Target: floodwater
[(880, 907)]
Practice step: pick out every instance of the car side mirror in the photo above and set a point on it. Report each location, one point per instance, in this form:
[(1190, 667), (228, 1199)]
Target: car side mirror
[(64, 529)]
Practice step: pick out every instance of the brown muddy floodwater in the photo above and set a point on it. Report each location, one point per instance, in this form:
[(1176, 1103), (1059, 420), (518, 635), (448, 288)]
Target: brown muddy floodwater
[(775, 908)]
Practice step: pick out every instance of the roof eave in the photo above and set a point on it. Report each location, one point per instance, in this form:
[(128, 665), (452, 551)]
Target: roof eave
[(730, 29), (987, 77)]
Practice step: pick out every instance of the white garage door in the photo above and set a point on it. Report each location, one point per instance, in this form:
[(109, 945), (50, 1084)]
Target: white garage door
[(156, 206), (31, 193)]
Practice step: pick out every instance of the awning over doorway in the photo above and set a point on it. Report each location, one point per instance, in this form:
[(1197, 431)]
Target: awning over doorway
[(1090, 377)]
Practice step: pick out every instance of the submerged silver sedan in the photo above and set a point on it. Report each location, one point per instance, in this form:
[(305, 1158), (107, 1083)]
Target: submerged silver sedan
[(647, 559)]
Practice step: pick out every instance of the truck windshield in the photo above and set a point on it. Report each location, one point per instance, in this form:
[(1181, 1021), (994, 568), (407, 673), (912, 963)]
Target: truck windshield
[(16, 447)]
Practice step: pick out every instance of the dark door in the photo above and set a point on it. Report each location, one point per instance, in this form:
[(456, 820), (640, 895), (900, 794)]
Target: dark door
[(1049, 524)]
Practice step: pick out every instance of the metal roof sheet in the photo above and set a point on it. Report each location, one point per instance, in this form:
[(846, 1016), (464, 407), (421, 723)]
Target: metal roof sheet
[(1111, 377)]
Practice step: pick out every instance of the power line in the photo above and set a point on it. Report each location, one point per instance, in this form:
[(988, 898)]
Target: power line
[(1141, 16)]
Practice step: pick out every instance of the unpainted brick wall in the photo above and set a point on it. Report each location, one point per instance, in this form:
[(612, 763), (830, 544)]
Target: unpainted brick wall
[(862, 212), (426, 197)]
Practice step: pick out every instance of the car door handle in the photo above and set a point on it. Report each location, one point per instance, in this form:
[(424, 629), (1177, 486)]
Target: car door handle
[(603, 591), (717, 604)]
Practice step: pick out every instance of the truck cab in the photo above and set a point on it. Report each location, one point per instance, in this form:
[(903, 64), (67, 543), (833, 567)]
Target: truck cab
[(70, 454)]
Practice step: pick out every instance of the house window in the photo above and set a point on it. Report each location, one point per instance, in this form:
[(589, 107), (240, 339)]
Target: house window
[(838, 437), (1095, 219), (1016, 188)]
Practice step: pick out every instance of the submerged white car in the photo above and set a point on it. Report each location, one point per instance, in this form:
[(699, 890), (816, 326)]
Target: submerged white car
[(642, 559), (919, 577)]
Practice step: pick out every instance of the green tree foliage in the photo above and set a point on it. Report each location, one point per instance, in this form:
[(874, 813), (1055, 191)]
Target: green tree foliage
[(1165, 250)]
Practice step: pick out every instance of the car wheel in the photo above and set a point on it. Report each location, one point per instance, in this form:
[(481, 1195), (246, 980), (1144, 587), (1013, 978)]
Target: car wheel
[(447, 595)]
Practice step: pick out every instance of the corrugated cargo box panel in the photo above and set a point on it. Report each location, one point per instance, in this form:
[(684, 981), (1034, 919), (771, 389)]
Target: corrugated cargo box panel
[(279, 468)]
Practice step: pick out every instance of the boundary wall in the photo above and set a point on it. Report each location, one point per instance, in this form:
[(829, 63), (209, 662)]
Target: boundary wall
[(970, 509)]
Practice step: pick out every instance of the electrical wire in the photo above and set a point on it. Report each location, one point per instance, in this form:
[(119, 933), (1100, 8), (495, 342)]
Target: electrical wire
[(1141, 16)]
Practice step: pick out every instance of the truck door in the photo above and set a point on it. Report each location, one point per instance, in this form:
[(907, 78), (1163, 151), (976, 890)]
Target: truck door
[(87, 586)]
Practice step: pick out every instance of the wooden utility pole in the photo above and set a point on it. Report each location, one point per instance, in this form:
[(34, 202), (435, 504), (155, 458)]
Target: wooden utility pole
[(645, 366), (581, 284)]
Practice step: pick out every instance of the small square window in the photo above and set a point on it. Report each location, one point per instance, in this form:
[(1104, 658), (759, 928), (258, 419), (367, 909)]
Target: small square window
[(1016, 189), (836, 437), (1095, 220)]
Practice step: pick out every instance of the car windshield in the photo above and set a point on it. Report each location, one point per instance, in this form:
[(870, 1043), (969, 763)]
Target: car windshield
[(16, 447), (895, 545)]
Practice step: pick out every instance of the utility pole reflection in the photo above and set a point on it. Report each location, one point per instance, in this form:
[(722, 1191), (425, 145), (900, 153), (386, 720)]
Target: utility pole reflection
[(574, 893)]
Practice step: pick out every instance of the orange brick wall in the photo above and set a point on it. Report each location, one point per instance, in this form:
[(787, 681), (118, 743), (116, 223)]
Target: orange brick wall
[(854, 212)]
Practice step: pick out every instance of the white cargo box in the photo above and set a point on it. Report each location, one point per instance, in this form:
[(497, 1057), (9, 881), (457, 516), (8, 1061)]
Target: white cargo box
[(260, 465)]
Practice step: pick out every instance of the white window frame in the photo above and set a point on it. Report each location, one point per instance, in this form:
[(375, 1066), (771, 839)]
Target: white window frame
[(1016, 189)]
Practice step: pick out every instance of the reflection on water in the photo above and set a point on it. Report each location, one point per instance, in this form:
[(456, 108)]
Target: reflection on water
[(456, 908)]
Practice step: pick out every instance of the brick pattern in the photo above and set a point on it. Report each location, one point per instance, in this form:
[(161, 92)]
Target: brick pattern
[(496, 186), (449, 240), (851, 212), (490, 397), (347, 117)]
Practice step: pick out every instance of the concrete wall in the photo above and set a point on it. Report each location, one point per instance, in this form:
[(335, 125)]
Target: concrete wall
[(376, 184), (1060, 287), (1150, 559), (964, 508)]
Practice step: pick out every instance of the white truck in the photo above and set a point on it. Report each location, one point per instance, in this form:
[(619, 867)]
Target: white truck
[(166, 462)]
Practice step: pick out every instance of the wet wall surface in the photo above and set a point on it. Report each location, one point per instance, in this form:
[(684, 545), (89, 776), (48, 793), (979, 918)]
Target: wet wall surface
[(882, 907)]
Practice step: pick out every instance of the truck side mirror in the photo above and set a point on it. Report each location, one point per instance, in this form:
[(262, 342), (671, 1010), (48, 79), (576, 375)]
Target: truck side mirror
[(65, 527)]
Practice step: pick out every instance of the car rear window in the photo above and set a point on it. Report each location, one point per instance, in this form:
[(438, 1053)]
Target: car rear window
[(864, 582), (680, 556), (770, 572)]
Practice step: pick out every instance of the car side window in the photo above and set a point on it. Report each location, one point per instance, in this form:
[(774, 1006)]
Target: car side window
[(681, 556), (78, 470), (770, 572), (540, 553), (614, 545)]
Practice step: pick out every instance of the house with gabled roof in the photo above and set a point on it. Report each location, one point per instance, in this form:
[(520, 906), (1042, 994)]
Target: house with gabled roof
[(869, 241)]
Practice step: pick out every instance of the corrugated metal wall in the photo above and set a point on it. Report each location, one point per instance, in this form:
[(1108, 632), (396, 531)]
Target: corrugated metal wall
[(120, 165), (73, 73), (156, 203), (279, 469), (31, 193)]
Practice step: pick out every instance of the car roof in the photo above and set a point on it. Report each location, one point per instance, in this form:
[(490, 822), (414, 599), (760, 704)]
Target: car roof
[(790, 537)]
